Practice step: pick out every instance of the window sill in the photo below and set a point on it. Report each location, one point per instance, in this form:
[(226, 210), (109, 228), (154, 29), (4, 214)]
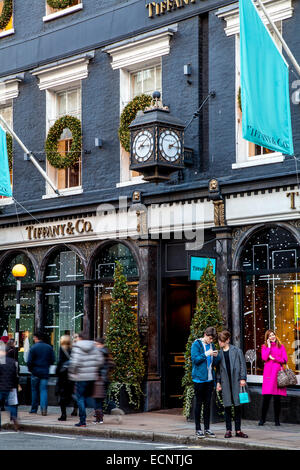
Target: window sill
[(254, 161), (7, 33), (64, 192), (66, 11), (136, 180), (6, 201)]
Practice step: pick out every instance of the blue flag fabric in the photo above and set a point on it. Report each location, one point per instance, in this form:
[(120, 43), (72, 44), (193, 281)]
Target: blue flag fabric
[(5, 186), (266, 113)]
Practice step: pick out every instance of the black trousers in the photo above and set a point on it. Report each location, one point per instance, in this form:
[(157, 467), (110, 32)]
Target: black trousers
[(203, 392), (265, 407), (237, 418)]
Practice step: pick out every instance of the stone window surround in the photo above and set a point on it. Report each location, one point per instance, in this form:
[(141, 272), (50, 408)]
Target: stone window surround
[(64, 12), (57, 76), (279, 10), (131, 55)]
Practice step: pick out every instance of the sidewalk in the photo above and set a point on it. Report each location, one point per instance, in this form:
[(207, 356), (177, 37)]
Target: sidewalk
[(160, 426)]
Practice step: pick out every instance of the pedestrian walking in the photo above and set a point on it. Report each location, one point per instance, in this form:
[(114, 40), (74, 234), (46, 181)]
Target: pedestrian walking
[(8, 381), (41, 356), (274, 355), (231, 378), (204, 359), (64, 386), (13, 400), (102, 382), (85, 362)]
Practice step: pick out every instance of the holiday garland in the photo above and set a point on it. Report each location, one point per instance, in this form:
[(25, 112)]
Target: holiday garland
[(239, 98), (6, 14), (9, 145), (128, 115), (60, 3), (71, 158)]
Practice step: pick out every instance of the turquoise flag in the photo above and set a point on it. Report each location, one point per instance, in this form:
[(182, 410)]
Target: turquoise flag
[(5, 186), (266, 113)]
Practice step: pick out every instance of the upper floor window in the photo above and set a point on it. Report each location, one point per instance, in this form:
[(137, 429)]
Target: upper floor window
[(146, 81), (58, 8), (67, 102), (6, 18)]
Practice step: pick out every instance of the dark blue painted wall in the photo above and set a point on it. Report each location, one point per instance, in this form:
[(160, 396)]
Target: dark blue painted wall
[(200, 41)]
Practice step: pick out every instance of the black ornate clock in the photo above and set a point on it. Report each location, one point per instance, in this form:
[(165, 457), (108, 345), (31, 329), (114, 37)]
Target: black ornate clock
[(157, 142)]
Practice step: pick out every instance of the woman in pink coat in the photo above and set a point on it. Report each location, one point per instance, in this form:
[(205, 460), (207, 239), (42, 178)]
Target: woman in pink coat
[(274, 355)]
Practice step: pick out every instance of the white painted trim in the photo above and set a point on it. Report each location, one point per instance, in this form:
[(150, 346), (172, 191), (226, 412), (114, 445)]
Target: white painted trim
[(66, 11), (65, 192), (278, 10), (135, 180), (6, 202), (275, 157), (8, 32), (134, 54), (9, 89)]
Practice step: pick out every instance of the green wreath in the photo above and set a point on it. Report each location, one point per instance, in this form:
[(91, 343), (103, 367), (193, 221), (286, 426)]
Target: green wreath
[(9, 146), (128, 115), (60, 3), (6, 14), (71, 158)]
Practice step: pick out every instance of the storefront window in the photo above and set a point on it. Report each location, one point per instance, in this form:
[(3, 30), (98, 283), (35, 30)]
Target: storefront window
[(104, 271), (8, 305), (64, 298), (271, 299)]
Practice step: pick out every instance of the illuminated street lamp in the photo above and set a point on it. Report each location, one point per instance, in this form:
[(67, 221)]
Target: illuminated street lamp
[(18, 271)]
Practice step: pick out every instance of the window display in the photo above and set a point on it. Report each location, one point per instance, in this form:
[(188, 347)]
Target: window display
[(271, 292)]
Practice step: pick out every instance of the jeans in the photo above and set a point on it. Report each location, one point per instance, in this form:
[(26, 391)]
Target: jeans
[(81, 388), (3, 401), (39, 390), (203, 392)]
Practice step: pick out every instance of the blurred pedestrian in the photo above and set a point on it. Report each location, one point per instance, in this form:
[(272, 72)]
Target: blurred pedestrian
[(204, 359), (8, 381), (85, 362), (102, 382), (274, 355), (13, 401), (231, 377), (11, 349), (64, 386), (41, 357)]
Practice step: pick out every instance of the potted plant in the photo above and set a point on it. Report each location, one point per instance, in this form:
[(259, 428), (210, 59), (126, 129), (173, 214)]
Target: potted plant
[(123, 341)]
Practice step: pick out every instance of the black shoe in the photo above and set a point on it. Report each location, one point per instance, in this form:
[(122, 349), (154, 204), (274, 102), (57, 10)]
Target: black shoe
[(200, 434), (62, 418), (209, 433), (261, 423), (277, 423), (32, 412), (80, 425), (44, 413)]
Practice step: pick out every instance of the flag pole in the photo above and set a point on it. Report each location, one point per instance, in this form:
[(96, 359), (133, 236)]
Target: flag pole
[(284, 44), (30, 155)]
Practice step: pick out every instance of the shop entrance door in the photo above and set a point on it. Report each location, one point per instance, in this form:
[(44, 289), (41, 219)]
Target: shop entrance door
[(180, 304)]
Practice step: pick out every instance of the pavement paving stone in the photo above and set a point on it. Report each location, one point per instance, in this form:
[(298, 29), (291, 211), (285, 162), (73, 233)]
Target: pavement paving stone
[(161, 426)]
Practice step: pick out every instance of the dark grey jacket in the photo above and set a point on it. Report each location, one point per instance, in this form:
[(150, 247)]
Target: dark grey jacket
[(238, 372)]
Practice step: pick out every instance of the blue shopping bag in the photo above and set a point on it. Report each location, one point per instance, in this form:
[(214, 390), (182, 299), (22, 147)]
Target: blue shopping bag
[(244, 396)]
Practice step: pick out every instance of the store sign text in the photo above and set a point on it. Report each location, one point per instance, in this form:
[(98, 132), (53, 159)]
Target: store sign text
[(160, 8), (81, 226)]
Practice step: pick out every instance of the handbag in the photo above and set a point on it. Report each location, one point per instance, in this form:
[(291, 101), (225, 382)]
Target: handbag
[(244, 396), (286, 377)]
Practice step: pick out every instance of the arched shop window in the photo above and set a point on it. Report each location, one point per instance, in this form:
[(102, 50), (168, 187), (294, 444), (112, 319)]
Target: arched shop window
[(104, 272), (63, 312), (270, 262), (8, 303)]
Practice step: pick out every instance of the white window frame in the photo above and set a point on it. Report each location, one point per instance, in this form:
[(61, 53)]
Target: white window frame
[(278, 10), (10, 31), (60, 13), (138, 53), (56, 77)]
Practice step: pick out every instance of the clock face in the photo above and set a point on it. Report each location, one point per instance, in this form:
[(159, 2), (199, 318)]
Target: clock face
[(143, 146), (169, 145)]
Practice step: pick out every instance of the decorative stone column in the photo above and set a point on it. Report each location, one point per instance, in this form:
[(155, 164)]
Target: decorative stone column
[(236, 308), (87, 310), (223, 249), (149, 322)]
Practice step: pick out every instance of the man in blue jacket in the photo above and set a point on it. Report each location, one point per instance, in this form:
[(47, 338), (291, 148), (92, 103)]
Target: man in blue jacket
[(41, 357), (204, 359)]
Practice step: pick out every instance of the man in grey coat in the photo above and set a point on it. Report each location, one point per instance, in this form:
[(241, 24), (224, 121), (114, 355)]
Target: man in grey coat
[(231, 377), (85, 363)]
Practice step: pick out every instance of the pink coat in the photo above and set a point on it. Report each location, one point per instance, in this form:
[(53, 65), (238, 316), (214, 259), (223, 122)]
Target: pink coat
[(271, 368)]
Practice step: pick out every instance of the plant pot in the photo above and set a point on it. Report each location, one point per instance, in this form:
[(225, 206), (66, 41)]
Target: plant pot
[(125, 405)]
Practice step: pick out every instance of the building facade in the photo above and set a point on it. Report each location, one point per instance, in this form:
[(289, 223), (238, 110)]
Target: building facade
[(233, 201)]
